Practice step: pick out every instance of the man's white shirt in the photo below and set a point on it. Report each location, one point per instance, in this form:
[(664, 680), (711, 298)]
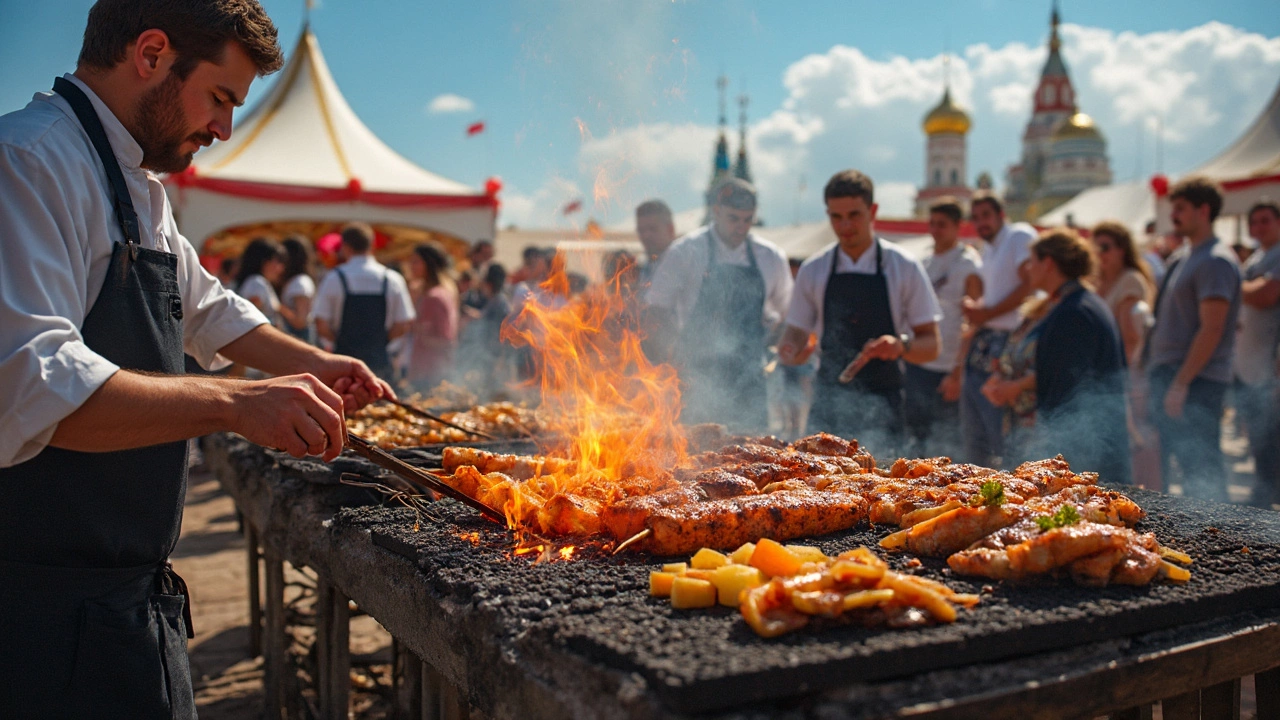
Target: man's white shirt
[(364, 276), (678, 278), (911, 299), (58, 230), (1000, 262)]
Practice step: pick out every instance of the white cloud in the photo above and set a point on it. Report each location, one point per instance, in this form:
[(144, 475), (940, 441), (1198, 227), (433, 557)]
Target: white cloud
[(450, 103), (843, 109), (541, 208)]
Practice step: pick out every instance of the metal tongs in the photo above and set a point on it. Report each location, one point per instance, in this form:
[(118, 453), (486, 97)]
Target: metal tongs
[(418, 476), (430, 416), (853, 368)]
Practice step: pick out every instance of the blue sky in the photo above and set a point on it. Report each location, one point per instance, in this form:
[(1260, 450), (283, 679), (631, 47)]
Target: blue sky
[(832, 85)]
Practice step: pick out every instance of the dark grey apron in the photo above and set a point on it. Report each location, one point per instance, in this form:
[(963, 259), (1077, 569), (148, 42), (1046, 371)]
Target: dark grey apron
[(363, 333), (95, 623), (721, 352), (855, 309)]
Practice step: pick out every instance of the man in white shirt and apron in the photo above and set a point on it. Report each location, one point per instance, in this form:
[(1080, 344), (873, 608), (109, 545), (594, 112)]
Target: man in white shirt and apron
[(862, 297), (724, 290), (101, 297)]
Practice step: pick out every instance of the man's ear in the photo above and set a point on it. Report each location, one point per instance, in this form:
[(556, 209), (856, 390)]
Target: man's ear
[(875, 208), (152, 54)]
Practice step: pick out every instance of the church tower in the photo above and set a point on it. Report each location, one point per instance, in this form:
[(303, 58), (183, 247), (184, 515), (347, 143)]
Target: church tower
[(741, 169), (720, 167), (946, 153)]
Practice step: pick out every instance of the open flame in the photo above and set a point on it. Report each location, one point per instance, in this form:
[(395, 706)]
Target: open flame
[(616, 411)]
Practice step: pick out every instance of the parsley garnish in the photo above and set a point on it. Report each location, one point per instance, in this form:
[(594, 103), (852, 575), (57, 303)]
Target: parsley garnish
[(991, 494), (1065, 516)]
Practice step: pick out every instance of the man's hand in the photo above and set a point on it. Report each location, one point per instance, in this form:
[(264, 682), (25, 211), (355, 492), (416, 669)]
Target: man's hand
[(1174, 400), (298, 414), (885, 347), (351, 379), (1000, 392), (974, 311), (950, 386)]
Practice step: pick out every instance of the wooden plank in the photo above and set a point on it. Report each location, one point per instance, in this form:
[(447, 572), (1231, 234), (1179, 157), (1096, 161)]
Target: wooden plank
[(274, 662), (1266, 685), (1221, 701), (333, 641), (453, 703), (432, 684), (413, 686), (1182, 707), (252, 556)]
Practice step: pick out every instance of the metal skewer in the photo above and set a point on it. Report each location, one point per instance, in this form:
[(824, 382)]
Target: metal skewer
[(430, 416), (417, 475)]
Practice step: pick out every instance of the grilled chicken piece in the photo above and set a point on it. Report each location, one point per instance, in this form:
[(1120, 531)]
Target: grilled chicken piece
[(1043, 552), (904, 468), (520, 467), (959, 528), (1135, 564), (720, 484), (625, 518), (1052, 474), (827, 444), (570, 514), (682, 529)]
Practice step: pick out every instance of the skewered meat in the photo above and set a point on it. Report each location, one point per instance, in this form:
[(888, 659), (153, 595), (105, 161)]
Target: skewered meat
[(729, 523), (719, 484), (521, 467)]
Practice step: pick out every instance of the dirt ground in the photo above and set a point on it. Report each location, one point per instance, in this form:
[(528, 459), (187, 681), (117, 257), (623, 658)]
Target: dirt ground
[(211, 557)]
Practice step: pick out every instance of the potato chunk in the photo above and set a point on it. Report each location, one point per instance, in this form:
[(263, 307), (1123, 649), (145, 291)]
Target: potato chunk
[(708, 559), (660, 584), (731, 580), (687, 592), (775, 560), (742, 556)]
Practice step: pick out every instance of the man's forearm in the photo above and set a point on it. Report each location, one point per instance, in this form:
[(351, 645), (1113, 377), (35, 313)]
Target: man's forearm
[(1011, 301), (271, 351), (1198, 355), (133, 410), (924, 346)]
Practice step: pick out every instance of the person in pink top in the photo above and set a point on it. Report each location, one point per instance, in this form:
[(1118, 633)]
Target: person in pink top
[(435, 330)]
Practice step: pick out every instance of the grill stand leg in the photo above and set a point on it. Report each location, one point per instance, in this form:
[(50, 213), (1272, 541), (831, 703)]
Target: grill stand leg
[(1182, 707), (1267, 686), (275, 663), (1221, 701), (431, 682), (414, 686), (333, 634), (253, 554)]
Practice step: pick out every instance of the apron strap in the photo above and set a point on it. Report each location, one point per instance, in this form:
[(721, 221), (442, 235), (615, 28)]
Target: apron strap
[(125, 214)]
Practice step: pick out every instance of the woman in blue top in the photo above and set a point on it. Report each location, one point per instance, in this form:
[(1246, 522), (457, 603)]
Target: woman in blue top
[(1077, 377)]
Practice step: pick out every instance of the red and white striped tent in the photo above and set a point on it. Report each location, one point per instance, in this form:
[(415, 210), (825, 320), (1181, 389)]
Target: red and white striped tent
[(302, 154)]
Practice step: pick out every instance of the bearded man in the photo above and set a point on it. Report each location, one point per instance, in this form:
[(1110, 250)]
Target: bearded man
[(100, 296)]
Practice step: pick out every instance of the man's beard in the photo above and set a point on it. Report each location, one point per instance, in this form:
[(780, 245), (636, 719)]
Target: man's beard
[(161, 128)]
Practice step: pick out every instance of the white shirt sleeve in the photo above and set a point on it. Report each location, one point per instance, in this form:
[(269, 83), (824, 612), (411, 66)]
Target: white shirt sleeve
[(919, 302), (672, 281), (46, 369), (327, 305), (298, 286), (212, 316), (806, 306), (399, 302), (778, 303)]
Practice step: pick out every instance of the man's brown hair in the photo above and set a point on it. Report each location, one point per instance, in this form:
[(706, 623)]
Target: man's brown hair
[(852, 184), (988, 197), (1199, 191), (198, 29), (1271, 205), (358, 236), (948, 207)]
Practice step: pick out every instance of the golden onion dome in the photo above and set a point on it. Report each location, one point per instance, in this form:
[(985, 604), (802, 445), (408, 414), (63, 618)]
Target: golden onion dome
[(947, 117), (1077, 126)]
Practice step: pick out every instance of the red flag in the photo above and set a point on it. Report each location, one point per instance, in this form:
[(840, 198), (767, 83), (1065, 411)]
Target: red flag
[(572, 207), (475, 128)]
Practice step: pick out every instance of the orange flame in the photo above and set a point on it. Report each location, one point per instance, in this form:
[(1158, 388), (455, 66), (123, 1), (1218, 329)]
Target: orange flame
[(617, 410)]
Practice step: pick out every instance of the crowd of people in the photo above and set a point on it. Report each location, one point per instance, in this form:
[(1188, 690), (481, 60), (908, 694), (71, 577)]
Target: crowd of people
[(1019, 345)]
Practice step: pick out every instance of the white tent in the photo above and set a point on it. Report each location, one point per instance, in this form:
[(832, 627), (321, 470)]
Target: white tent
[(302, 154), (1132, 204)]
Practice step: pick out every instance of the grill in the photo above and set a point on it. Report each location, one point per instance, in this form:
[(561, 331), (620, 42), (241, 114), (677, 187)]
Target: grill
[(596, 608)]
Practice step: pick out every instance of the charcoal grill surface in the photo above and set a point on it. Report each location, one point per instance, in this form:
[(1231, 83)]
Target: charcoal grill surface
[(598, 607)]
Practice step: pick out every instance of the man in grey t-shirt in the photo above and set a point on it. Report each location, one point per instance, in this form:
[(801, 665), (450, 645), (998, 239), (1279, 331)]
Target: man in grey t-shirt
[(1190, 348), (1256, 345)]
